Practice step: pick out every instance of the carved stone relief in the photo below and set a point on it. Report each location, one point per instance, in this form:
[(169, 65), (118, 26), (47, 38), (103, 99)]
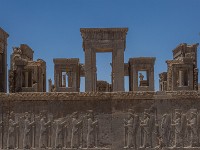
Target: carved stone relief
[(100, 121)]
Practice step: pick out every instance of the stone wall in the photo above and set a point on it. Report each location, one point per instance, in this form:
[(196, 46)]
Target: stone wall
[(121, 120), (3, 60)]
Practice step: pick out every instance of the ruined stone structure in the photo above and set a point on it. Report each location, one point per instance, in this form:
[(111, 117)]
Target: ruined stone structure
[(3, 60), (26, 75), (67, 71), (103, 86), (182, 73), (163, 81), (103, 40), (141, 64), (104, 117)]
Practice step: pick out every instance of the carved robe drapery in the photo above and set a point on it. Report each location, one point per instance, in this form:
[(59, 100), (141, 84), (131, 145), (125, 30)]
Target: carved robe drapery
[(76, 134), (92, 133)]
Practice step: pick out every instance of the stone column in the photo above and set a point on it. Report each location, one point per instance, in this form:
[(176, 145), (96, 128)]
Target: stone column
[(94, 71), (191, 79), (195, 79), (118, 69), (150, 77), (18, 87), (26, 79), (70, 79), (135, 79), (130, 78), (1, 63), (160, 86), (3, 53), (60, 78), (41, 81), (50, 85), (90, 70), (169, 78), (174, 77), (31, 78), (64, 80), (3, 72), (74, 81), (56, 80), (181, 78)]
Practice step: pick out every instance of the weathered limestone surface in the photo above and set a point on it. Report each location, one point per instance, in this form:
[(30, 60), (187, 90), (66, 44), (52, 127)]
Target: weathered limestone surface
[(182, 73), (66, 71), (142, 64), (3, 60), (103, 86), (163, 81), (104, 40), (96, 120), (25, 74)]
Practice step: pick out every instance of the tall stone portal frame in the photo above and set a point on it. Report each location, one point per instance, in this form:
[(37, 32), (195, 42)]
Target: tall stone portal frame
[(104, 40)]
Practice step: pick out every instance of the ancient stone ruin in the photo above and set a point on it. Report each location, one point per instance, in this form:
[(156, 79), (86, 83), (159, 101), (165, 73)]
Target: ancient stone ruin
[(26, 75), (3, 60), (182, 73), (103, 117)]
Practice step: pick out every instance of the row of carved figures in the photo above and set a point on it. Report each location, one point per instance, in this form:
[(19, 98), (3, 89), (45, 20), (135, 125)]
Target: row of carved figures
[(174, 130), (171, 130), (43, 125)]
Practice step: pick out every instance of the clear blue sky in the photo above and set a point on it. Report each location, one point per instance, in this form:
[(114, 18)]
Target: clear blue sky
[(52, 28)]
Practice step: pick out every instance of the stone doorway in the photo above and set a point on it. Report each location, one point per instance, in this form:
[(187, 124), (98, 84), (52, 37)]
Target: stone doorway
[(104, 70), (104, 40)]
